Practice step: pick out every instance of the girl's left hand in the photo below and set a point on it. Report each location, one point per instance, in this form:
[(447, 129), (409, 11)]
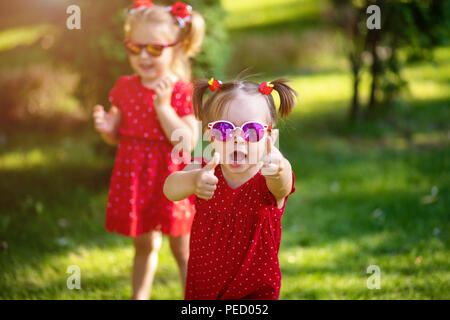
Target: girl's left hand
[(273, 161), (163, 92)]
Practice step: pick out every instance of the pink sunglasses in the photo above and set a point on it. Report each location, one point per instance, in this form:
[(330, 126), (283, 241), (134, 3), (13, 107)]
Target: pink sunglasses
[(253, 131)]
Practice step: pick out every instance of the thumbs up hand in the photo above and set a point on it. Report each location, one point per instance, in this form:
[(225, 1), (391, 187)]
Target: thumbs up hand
[(206, 181), (272, 162)]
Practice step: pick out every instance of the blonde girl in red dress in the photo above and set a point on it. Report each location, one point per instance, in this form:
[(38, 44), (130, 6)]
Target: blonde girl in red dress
[(240, 193), (146, 109)]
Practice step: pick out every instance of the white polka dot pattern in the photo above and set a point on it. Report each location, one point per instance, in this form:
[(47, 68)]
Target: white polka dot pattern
[(135, 101)]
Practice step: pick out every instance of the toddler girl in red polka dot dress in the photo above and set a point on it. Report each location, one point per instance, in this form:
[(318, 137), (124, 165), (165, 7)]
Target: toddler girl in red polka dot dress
[(146, 109), (240, 193)]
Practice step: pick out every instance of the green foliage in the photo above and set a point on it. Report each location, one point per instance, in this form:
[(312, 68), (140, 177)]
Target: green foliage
[(412, 28), (277, 36), (415, 26), (213, 60), (96, 50)]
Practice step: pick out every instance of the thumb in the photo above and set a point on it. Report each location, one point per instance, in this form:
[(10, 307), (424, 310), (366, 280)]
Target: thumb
[(269, 145), (114, 110), (212, 164)]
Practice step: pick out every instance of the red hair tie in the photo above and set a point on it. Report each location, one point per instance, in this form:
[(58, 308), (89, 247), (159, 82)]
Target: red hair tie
[(143, 3), (266, 88), (182, 12), (214, 84)]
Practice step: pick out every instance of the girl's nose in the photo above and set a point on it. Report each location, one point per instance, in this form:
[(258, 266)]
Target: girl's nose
[(144, 54), (238, 137)]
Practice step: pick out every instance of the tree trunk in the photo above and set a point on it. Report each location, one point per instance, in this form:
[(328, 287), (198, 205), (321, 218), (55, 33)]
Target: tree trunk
[(355, 108), (374, 71)]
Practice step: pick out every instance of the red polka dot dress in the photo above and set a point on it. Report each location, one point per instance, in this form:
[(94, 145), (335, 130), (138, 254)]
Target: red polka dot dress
[(234, 244), (136, 203)]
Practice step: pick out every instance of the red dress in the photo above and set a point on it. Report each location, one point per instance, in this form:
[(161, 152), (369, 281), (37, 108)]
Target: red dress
[(234, 244), (136, 203)]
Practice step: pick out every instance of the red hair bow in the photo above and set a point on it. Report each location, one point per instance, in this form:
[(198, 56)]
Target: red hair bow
[(143, 4), (214, 84), (182, 12), (266, 88)]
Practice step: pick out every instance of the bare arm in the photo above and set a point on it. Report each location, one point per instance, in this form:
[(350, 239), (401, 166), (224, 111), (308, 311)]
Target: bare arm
[(280, 185), (112, 140), (181, 184), (193, 179), (185, 126)]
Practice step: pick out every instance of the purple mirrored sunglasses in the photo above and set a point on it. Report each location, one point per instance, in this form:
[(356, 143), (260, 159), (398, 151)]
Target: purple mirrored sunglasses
[(253, 131)]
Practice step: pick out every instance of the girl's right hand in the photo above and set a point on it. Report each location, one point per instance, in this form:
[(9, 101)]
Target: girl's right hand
[(104, 122), (206, 181)]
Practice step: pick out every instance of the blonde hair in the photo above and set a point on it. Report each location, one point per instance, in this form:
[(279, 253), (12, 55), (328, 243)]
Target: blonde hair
[(219, 100), (191, 36)]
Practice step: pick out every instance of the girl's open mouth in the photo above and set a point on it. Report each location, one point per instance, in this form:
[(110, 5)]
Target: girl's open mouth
[(237, 158)]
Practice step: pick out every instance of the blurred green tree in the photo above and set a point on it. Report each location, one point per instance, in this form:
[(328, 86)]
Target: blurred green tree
[(409, 31)]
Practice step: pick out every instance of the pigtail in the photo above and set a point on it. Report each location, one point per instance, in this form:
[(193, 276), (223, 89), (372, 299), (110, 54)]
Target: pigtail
[(287, 96), (194, 35), (200, 88)]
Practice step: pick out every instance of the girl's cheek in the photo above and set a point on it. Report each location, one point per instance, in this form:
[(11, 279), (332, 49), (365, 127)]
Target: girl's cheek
[(221, 148), (255, 152), (164, 61), (133, 61)]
